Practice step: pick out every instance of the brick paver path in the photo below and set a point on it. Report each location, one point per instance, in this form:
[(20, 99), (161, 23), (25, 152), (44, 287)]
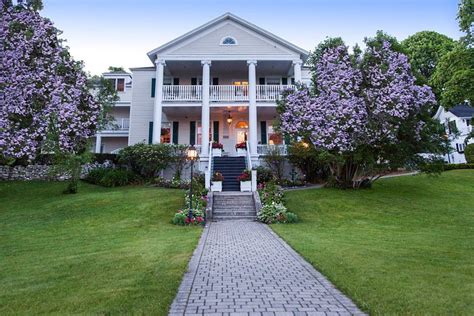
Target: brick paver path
[(243, 268)]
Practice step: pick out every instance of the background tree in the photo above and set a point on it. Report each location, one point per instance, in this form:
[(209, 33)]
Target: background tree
[(424, 50), (453, 79), (466, 19)]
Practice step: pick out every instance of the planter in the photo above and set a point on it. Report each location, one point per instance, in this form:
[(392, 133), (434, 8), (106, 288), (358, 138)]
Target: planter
[(216, 186), (241, 152), (216, 152), (245, 186)]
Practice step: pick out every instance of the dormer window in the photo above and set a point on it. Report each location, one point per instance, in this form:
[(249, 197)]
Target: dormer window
[(228, 40), (118, 84)]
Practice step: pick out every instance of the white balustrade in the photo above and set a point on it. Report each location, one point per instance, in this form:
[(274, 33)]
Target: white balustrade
[(228, 93), (271, 92), (182, 93), (222, 93), (265, 149), (119, 124)]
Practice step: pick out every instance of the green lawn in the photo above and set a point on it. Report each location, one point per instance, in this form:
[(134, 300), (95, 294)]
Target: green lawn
[(101, 251), (404, 247)]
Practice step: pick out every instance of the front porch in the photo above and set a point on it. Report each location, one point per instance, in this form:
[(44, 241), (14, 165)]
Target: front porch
[(228, 125)]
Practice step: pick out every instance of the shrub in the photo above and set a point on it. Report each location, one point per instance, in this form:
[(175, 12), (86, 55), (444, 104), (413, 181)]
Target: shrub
[(95, 175), (179, 159), (117, 178), (453, 166), (308, 159), (273, 213), (146, 160), (469, 153), (276, 161), (264, 175), (270, 193), (179, 218), (291, 217)]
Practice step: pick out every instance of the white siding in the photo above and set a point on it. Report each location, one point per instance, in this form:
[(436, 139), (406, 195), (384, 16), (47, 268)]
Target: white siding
[(141, 112), (249, 43)]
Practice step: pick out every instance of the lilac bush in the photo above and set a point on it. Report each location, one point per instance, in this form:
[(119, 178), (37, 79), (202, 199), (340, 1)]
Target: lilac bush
[(364, 111), (46, 100)]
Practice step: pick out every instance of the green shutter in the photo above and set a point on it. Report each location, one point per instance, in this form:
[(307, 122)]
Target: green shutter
[(263, 132), (175, 132), (192, 132), (150, 132), (153, 86), (216, 131), (287, 139)]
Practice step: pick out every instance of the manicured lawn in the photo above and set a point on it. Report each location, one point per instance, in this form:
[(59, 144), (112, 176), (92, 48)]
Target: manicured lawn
[(101, 251), (404, 247)]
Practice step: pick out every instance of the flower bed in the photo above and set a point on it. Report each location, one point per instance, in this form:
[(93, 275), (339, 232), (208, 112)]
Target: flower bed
[(197, 216), (273, 210)]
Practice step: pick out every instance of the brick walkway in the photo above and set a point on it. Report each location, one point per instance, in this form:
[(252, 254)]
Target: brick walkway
[(243, 268)]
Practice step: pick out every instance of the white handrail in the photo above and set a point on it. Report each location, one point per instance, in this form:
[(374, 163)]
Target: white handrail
[(182, 92), (228, 93), (249, 158)]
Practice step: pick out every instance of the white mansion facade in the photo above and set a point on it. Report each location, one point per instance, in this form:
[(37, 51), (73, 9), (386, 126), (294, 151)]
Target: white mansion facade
[(219, 82)]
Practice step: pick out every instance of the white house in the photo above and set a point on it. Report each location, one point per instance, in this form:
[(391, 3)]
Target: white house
[(458, 123), (223, 77)]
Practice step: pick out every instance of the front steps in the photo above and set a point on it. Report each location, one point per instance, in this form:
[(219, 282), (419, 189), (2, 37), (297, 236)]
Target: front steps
[(231, 168), (233, 206)]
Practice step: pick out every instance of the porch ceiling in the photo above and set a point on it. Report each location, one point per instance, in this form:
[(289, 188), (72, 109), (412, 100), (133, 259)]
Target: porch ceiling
[(194, 68)]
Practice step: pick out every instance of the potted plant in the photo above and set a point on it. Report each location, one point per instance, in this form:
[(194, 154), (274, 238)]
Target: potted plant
[(241, 149), (217, 149), (216, 182), (245, 181)]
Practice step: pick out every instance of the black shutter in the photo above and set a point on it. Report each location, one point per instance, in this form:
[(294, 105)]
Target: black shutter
[(263, 132), (292, 80), (175, 132), (150, 132), (194, 81), (176, 81), (192, 132), (216, 131), (153, 86), (284, 81), (261, 81), (215, 81)]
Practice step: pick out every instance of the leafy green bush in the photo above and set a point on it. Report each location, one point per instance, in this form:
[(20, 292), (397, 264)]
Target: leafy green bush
[(469, 153), (264, 175), (309, 160), (276, 213), (95, 175), (179, 218), (117, 178), (454, 166), (146, 160), (270, 193)]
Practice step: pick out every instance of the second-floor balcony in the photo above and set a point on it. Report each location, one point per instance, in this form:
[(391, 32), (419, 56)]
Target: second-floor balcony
[(222, 93), (119, 125)]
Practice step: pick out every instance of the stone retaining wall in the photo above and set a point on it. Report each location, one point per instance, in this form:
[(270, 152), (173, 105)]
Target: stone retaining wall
[(42, 172)]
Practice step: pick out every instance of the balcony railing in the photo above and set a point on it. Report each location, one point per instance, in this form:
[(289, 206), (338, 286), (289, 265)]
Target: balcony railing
[(120, 124), (266, 149), (182, 93), (222, 93)]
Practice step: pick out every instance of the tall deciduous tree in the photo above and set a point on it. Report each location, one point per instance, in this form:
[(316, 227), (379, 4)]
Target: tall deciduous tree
[(424, 50), (368, 114), (466, 19)]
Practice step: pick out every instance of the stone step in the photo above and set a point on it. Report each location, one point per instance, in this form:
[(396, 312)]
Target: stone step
[(230, 218), (236, 213)]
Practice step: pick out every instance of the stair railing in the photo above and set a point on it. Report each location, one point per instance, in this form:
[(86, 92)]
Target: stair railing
[(209, 168), (249, 158), (249, 167)]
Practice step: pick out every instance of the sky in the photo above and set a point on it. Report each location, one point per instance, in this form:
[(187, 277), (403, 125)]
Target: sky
[(106, 33)]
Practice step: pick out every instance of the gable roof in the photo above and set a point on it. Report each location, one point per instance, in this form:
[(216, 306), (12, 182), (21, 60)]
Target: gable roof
[(229, 17), (462, 110)]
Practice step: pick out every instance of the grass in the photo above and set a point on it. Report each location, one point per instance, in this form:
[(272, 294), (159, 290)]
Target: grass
[(101, 251), (404, 247)]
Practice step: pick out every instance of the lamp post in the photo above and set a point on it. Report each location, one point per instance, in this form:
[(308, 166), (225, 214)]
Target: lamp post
[(192, 155)]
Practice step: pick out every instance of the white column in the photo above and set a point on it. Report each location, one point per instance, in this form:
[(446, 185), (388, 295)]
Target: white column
[(206, 65), (297, 70), (157, 110), (98, 143), (252, 64)]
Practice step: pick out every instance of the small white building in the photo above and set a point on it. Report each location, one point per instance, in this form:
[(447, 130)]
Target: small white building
[(219, 82), (458, 123)]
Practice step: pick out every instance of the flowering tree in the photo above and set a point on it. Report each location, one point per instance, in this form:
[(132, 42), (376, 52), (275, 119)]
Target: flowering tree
[(367, 114), (47, 104)]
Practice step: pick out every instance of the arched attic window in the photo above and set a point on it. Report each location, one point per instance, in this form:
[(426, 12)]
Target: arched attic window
[(228, 40)]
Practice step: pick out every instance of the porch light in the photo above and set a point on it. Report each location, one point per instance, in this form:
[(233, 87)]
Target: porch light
[(192, 153), (305, 145), (229, 119), (242, 124)]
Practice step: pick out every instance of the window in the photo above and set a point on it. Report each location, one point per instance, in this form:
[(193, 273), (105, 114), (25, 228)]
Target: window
[(118, 84), (452, 128), (468, 122), (460, 148), (228, 40), (165, 133)]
